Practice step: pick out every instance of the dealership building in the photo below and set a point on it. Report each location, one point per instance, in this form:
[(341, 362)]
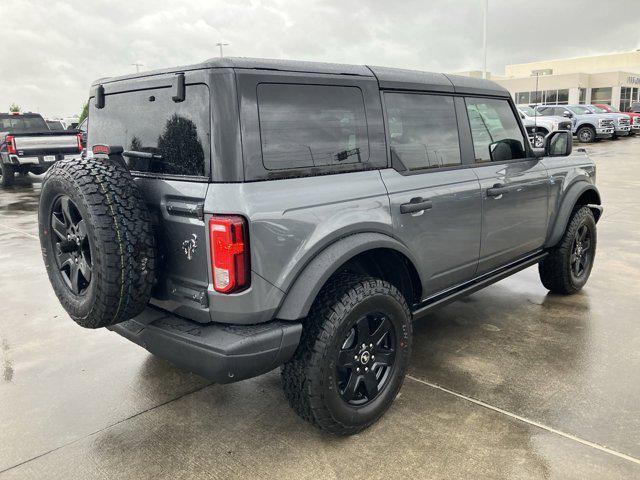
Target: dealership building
[(613, 79)]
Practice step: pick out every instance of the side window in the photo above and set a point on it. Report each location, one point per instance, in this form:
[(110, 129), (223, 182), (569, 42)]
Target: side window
[(311, 126), (495, 131), (423, 130)]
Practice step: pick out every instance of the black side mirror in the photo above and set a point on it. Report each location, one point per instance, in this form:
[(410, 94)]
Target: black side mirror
[(567, 114), (558, 144)]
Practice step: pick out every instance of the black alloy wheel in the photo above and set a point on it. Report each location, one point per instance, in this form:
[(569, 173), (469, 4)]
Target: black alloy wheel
[(366, 359), (581, 252), (71, 245)]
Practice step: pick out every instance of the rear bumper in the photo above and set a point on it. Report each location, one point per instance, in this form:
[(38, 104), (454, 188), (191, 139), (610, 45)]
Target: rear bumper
[(219, 352), (42, 160)]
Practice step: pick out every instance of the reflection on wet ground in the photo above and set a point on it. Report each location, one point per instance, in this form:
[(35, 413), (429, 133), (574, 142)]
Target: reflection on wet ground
[(509, 383)]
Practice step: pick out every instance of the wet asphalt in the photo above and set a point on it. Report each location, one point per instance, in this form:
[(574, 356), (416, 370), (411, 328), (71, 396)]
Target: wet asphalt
[(511, 382)]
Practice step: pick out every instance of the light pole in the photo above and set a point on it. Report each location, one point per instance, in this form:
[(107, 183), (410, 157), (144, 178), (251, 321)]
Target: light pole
[(138, 64), (485, 8), (220, 45)]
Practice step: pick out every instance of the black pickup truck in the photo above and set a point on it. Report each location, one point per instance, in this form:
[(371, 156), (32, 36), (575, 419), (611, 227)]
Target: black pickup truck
[(28, 145)]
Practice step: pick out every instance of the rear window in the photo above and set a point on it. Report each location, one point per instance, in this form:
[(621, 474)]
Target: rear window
[(55, 125), (149, 121), (311, 126), (21, 124)]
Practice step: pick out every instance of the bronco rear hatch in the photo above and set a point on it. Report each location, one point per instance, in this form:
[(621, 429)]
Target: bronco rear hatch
[(165, 133)]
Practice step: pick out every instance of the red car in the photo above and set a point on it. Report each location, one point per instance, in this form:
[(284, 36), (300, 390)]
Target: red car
[(634, 117)]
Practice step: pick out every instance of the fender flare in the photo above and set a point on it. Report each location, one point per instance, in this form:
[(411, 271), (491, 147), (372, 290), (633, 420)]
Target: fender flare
[(305, 288), (570, 198)]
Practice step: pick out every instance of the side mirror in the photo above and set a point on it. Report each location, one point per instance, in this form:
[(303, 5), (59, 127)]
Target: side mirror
[(567, 114), (558, 144)]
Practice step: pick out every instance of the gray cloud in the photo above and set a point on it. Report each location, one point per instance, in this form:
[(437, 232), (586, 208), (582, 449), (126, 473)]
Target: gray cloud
[(55, 48)]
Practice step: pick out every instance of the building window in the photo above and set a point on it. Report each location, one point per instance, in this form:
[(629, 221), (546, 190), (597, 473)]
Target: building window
[(551, 97), (601, 95), (522, 98), (563, 96), (583, 96), (625, 98), (634, 95), (536, 98)]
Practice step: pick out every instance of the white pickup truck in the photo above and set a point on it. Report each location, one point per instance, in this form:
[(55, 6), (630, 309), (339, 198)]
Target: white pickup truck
[(538, 126), (28, 145)]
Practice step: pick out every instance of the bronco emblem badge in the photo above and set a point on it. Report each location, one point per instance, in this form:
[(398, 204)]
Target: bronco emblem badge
[(190, 246)]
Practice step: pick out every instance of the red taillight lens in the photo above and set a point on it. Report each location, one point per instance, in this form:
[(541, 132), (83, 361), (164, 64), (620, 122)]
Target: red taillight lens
[(229, 240), (11, 144), (79, 137)]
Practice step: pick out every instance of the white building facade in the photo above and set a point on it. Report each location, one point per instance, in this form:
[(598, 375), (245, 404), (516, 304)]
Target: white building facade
[(613, 79)]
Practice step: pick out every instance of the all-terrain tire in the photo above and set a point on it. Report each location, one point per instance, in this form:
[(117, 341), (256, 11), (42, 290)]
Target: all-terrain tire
[(556, 268), (7, 174), (118, 240), (309, 379)]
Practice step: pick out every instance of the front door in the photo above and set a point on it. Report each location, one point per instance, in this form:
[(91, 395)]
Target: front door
[(435, 202), (515, 185)]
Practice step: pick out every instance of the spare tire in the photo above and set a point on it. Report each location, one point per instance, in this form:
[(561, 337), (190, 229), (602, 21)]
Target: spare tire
[(97, 241)]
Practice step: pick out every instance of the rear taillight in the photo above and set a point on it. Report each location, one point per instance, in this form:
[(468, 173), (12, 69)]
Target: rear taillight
[(79, 137), (11, 144), (229, 240)]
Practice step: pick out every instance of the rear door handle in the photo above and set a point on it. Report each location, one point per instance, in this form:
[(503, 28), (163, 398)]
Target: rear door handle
[(497, 190), (416, 204)]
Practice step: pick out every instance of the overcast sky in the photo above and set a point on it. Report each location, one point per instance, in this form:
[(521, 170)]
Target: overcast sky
[(52, 49)]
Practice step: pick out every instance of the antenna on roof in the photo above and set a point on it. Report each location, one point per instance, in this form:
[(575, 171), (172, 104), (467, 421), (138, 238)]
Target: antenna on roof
[(138, 64)]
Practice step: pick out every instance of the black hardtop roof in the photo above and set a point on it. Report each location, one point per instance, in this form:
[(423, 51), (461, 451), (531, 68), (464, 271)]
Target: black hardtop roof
[(388, 78)]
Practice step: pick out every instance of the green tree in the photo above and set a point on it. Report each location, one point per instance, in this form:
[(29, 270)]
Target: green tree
[(14, 107), (84, 113)]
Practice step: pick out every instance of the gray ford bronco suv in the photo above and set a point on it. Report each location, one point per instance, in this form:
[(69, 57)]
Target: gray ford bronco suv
[(239, 215)]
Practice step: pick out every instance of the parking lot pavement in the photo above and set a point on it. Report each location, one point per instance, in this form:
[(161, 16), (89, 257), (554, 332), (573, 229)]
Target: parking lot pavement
[(509, 382)]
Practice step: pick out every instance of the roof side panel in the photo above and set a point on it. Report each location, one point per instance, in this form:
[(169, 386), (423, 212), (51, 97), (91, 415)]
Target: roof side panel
[(288, 66), (401, 79), (476, 86)]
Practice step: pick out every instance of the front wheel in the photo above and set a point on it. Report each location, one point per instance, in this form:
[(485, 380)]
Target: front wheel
[(586, 134), (567, 267), (352, 357)]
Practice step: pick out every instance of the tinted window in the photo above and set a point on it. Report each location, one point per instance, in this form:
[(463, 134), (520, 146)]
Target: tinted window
[(423, 130), (149, 121), (495, 131), (22, 124), (311, 126), (55, 125)]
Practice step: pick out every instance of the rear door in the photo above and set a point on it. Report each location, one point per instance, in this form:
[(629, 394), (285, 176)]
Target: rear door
[(435, 199), (168, 151), (515, 185)]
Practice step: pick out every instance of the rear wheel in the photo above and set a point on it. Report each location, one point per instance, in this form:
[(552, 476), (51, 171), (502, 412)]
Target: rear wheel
[(567, 267), (586, 134), (7, 174), (352, 357)]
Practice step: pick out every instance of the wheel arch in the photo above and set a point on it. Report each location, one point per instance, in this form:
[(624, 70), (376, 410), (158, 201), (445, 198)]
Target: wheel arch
[(373, 253), (580, 194)]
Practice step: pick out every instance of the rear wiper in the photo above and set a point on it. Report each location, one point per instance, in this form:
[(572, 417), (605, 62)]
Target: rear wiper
[(136, 154)]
